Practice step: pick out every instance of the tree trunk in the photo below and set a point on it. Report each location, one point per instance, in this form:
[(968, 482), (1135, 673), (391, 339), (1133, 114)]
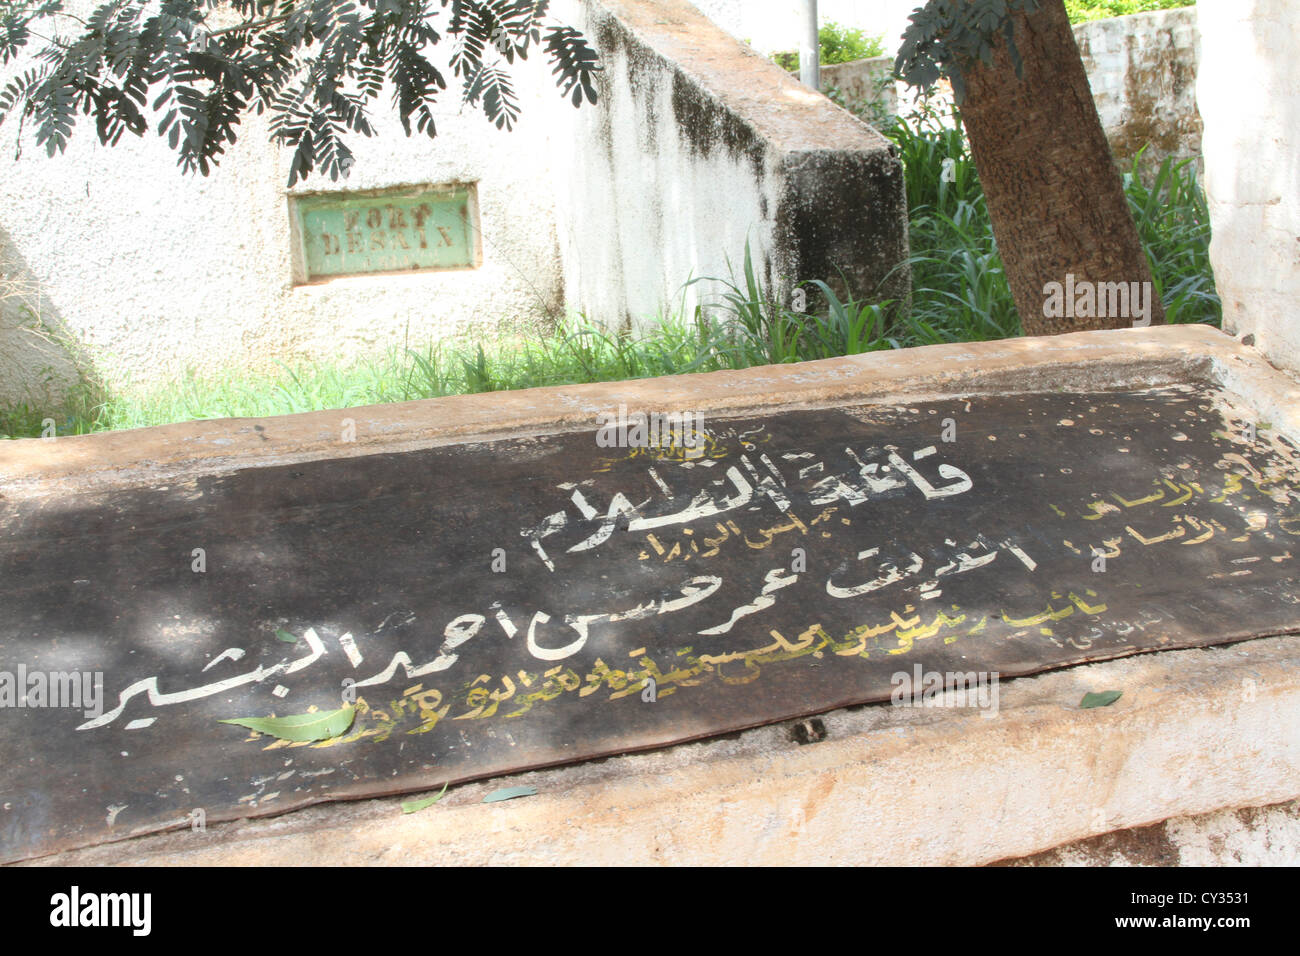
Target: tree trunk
[(1058, 207)]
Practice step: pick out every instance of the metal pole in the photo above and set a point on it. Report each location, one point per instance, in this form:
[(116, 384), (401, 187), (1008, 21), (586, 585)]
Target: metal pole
[(810, 47)]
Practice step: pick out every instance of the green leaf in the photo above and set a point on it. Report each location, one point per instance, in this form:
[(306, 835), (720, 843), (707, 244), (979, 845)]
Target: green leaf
[(509, 793), (285, 636), (415, 806), (321, 725), (1104, 699)]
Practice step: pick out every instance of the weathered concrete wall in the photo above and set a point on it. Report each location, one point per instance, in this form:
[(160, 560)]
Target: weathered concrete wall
[(864, 83), (157, 271), (700, 146), (1142, 70), (1252, 167)]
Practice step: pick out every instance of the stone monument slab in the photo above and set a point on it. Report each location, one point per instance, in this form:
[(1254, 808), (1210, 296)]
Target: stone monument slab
[(503, 605)]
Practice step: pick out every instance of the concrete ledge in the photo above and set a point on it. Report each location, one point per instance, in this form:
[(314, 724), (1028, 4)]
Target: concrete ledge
[(1196, 731)]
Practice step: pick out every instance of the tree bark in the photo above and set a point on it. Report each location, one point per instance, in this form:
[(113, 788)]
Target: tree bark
[(1057, 203)]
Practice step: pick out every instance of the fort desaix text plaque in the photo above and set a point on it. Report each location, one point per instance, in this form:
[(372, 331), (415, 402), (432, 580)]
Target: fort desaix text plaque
[(428, 227)]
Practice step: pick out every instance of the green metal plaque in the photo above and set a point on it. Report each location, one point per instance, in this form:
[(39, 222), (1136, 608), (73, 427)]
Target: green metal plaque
[(393, 231)]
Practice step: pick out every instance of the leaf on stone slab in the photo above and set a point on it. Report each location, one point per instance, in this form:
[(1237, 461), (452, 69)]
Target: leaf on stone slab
[(301, 728), (509, 793), (415, 806), (1104, 699)]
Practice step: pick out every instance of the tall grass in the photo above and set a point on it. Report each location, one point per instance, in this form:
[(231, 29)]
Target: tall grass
[(576, 351), (747, 325), (1173, 221)]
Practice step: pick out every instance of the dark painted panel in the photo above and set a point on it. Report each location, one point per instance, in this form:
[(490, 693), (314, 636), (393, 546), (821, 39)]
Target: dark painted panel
[(974, 555)]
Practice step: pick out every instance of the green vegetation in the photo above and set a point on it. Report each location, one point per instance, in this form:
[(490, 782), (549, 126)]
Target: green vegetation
[(744, 328), (959, 293), (1081, 11), (838, 45)]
